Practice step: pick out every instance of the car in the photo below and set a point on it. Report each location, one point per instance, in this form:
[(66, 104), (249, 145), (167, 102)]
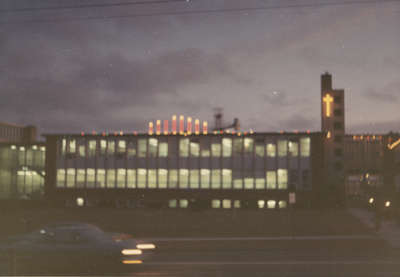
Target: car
[(68, 247)]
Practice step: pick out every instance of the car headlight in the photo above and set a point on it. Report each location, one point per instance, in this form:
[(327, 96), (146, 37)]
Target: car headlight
[(371, 200), (145, 246), (131, 252), (387, 204)]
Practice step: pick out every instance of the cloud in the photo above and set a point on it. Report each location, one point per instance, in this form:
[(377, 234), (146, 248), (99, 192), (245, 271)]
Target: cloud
[(388, 93)]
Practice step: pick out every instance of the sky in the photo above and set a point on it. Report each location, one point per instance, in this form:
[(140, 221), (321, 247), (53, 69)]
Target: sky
[(107, 69)]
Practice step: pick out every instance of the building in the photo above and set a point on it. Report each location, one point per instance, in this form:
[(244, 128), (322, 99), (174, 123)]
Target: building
[(15, 133), (166, 170)]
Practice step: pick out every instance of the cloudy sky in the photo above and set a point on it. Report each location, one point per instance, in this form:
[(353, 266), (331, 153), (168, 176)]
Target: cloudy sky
[(105, 68)]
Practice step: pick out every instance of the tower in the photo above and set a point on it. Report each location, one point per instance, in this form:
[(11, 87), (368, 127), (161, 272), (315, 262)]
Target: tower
[(333, 125)]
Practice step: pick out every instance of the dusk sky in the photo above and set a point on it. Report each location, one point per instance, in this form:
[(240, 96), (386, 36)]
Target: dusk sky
[(261, 66)]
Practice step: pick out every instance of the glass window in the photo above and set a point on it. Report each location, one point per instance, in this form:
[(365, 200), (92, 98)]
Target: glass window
[(216, 178), (205, 152), (238, 183), (163, 149), (63, 146), (260, 183), (248, 183), (72, 146), (194, 178), (282, 204), (153, 145), (29, 157), (110, 178), (173, 178), (227, 178), (305, 147), (282, 178), (70, 177), (271, 180), (183, 203), (205, 178), (111, 147), (237, 146), (101, 178), (141, 178), (248, 145), (271, 204), (60, 178), (260, 150), (205, 147), (215, 203), (152, 181), (226, 204), (162, 178), (103, 146), (121, 146), (184, 147), (194, 148), (90, 178), (282, 148), (131, 178), (142, 148), (236, 204), (172, 203), (82, 151), (293, 148), (121, 175), (92, 148), (271, 150), (215, 149), (226, 147), (261, 204), (132, 149), (183, 178)]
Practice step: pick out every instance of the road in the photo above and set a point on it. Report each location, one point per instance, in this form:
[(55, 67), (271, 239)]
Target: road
[(363, 255)]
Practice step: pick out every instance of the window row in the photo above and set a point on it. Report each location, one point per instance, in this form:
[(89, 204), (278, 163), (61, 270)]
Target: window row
[(229, 204)]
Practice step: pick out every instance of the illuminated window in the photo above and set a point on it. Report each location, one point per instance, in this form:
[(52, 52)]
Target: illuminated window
[(226, 178), (163, 149), (226, 204), (271, 204), (103, 146), (282, 204), (282, 148), (183, 178), (141, 178), (82, 151), (121, 146), (260, 183), (248, 145), (237, 146), (226, 147), (215, 149), (90, 178), (101, 178), (260, 150), (110, 178), (142, 148), (236, 204), (162, 178), (271, 180), (194, 178), (184, 147), (152, 179), (215, 178), (205, 147), (271, 150), (173, 178), (183, 203), (131, 178), (153, 145), (72, 146), (121, 175), (293, 148), (63, 146), (194, 148), (282, 178), (92, 148), (248, 183), (261, 204), (132, 149), (111, 147), (205, 178), (172, 203), (238, 183), (60, 178), (215, 203), (70, 177), (305, 147)]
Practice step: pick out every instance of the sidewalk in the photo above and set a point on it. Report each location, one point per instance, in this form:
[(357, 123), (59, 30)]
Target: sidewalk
[(390, 231)]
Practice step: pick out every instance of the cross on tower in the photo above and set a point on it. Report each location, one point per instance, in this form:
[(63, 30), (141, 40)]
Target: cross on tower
[(328, 99)]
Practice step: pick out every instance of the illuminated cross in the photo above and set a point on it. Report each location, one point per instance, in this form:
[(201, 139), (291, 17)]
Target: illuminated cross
[(328, 100)]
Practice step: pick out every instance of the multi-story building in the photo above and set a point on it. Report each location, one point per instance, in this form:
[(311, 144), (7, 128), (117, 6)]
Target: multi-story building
[(15, 133)]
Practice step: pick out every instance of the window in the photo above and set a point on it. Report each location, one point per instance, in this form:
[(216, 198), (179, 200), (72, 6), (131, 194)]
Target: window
[(205, 147), (141, 178), (226, 147), (172, 203), (260, 149), (248, 183), (173, 178), (338, 112), (338, 126), (63, 146), (236, 204), (271, 180), (131, 178), (271, 150), (261, 204), (305, 147), (111, 147), (237, 146), (103, 146), (142, 148), (293, 148), (215, 149), (215, 178), (338, 152), (215, 203), (260, 183), (282, 148), (121, 175), (238, 183), (226, 204), (101, 178), (227, 178), (72, 146), (121, 147), (90, 178), (271, 204), (70, 177), (92, 148), (338, 99), (183, 178), (282, 178), (110, 178), (162, 178), (205, 178), (184, 147), (82, 150), (132, 149), (194, 148), (194, 178), (282, 204), (60, 178), (338, 139), (248, 145), (183, 203), (152, 178), (153, 145)]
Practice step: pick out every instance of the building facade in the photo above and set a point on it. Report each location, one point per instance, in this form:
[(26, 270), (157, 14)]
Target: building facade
[(15, 133)]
